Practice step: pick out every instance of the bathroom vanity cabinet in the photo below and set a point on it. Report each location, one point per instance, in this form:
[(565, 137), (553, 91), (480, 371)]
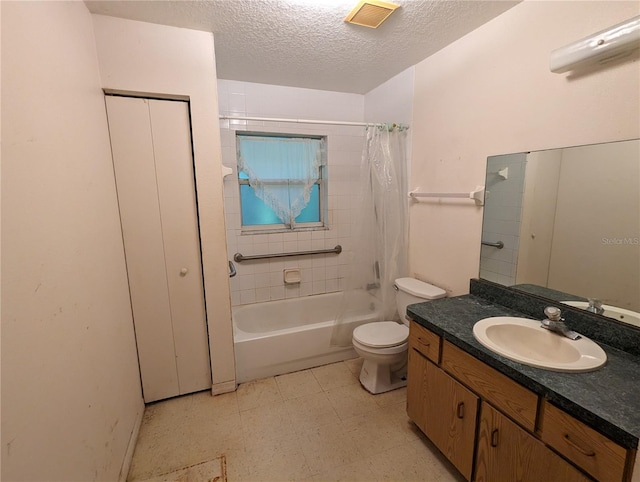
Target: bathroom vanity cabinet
[(493, 429)]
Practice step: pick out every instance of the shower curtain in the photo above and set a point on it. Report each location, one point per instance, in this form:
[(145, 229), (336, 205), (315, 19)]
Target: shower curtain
[(378, 254)]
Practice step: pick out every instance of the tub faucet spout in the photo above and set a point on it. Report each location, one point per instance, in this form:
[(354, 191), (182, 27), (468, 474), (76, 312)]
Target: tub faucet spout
[(595, 306)]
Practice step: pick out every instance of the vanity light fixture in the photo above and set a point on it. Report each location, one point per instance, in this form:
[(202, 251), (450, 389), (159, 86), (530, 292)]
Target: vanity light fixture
[(609, 44), (370, 13)]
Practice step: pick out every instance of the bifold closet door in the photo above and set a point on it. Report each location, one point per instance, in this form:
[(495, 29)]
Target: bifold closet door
[(152, 155)]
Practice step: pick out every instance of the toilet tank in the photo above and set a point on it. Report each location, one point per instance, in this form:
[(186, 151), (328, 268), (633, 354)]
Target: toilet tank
[(411, 290)]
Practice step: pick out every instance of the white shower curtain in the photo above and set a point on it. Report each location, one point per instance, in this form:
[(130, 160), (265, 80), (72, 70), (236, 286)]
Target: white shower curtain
[(379, 253)]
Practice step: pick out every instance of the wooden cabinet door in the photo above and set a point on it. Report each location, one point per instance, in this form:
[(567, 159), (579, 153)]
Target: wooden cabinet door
[(508, 453), (451, 412), (417, 388), (443, 409)]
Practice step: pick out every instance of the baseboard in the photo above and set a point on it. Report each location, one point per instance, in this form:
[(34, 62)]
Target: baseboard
[(223, 387), (128, 456)]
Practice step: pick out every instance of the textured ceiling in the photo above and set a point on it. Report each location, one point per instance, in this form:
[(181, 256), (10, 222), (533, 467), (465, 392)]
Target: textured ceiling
[(301, 44)]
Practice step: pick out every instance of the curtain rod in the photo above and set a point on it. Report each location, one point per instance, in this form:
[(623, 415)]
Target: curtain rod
[(311, 121)]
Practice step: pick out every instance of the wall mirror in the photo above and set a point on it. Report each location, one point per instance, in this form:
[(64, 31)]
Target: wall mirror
[(565, 224)]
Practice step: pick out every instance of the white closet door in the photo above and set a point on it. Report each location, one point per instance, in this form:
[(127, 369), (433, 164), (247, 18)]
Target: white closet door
[(154, 176), (171, 133)]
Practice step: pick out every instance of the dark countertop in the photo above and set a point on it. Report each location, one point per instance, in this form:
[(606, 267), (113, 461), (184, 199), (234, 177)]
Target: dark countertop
[(607, 399)]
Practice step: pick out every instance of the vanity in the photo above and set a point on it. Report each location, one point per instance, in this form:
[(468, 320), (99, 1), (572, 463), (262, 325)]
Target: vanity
[(499, 420), (561, 228)]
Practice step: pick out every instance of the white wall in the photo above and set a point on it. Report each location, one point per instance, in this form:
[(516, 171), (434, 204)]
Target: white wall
[(71, 393), (538, 215), (262, 280), (491, 93), (391, 101), (595, 251), (141, 57)]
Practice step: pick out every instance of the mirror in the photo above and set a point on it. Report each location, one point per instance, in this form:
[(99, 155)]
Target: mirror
[(568, 221)]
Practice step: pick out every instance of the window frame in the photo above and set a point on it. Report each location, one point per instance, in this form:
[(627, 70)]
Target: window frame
[(321, 182)]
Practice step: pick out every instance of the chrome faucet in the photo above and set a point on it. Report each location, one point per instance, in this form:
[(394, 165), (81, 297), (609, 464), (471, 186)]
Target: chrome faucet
[(595, 306), (553, 322)]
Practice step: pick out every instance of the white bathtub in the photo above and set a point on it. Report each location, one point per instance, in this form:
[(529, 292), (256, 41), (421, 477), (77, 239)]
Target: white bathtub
[(277, 337)]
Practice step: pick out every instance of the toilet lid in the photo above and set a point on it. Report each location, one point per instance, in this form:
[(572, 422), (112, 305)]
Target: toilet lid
[(420, 288), (381, 334)]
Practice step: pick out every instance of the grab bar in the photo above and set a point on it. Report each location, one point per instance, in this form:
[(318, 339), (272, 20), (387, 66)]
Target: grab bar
[(232, 269), (240, 258), (497, 244)]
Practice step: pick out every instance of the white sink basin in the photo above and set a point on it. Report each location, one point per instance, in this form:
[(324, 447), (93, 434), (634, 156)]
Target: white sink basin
[(525, 341), (620, 314)]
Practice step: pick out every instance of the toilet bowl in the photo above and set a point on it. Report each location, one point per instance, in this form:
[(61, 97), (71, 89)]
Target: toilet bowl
[(383, 344)]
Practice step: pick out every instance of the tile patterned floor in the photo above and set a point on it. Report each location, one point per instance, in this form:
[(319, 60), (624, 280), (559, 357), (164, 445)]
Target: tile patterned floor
[(312, 425)]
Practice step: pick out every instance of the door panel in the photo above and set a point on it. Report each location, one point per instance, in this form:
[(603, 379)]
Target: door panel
[(151, 144), (417, 388), (176, 194), (134, 165), (451, 418), (507, 452)]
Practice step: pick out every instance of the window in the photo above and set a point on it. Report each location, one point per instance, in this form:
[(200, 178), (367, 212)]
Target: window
[(282, 181)]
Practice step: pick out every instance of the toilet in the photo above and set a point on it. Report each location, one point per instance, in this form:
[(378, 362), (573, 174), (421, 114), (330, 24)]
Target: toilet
[(383, 344)]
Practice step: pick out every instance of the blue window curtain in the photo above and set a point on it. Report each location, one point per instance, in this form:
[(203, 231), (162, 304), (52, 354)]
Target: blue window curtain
[(282, 171)]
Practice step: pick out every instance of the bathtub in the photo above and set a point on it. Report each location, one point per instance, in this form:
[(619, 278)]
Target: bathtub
[(277, 337)]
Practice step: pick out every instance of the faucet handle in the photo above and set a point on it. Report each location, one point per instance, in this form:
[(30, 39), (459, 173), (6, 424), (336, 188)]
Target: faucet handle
[(595, 303), (553, 313)]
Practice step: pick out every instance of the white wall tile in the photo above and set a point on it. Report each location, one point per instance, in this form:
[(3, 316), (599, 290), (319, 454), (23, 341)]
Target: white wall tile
[(277, 292), (305, 289), (275, 279), (263, 294), (306, 274), (319, 274), (247, 282), (264, 280), (237, 104), (318, 287), (290, 246), (247, 296), (291, 291), (331, 285)]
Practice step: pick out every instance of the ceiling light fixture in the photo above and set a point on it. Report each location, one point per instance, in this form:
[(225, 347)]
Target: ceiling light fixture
[(370, 13)]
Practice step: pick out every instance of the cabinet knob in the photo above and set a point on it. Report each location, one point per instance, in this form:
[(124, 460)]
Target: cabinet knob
[(460, 410), (184, 271)]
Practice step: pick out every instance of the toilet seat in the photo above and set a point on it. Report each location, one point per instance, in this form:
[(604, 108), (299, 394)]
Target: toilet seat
[(381, 334), (378, 352)]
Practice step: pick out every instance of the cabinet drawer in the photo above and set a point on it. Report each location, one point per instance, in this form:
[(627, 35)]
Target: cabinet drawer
[(503, 393), (425, 341), (596, 454)]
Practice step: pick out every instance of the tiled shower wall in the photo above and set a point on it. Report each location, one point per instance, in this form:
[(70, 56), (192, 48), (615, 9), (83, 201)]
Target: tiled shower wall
[(502, 218), (262, 280)]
